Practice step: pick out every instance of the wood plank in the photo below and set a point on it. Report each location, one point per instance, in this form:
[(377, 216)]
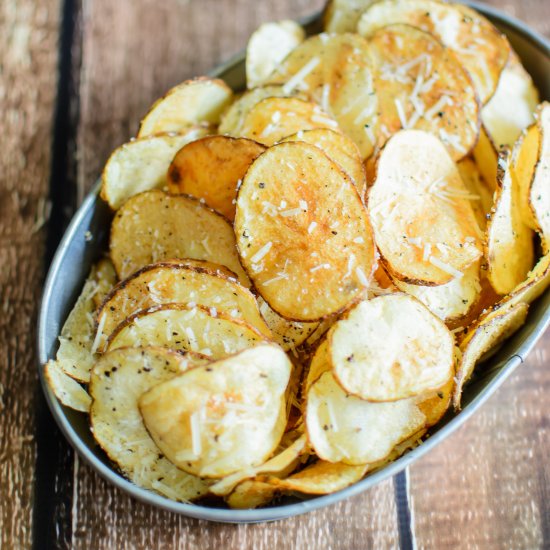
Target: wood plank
[(487, 485), (28, 79), (132, 52)]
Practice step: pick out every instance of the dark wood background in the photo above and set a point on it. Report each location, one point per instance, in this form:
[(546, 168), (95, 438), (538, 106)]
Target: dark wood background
[(75, 77)]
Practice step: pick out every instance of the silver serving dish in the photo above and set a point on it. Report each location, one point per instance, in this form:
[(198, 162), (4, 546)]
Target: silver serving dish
[(76, 254)]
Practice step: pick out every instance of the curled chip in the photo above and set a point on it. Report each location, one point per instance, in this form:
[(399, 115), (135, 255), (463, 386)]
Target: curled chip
[(251, 494), (487, 333), (343, 428), (220, 418), (66, 389), (334, 70), (391, 347), (280, 465), (118, 380), (436, 405), (141, 164), (486, 157), (268, 46), (320, 363), (302, 232), (339, 148), (233, 119), (482, 198), (154, 226), (423, 223), (480, 47), (185, 328), (535, 284), (197, 101), (171, 283), (450, 301), (539, 193), (274, 118), (512, 107), (420, 84), (509, 244), (211, 169), (321, 478), (343, 15)]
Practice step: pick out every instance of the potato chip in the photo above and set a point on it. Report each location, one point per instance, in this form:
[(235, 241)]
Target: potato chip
[(118, 380), (66, 389), (153, 226), (232, 119), (227, 416), (482, 198), (169, 283), (486, 156), (539, 194), (435, 406), (343, 428), (391, 347), (331, 69), (212, 169), (537, 281), (303, 261), (339, 148), (422, 219), (512, 107), (280, 466), (274, 118), (251, 494), (420, 84), (452, 300), (75, 355), (105, 277), (181, 327), (320, 363), (489, 331), (141, 164), (321, 478), (197, 101), (268, 46), (343, 15), (288, 334), (525, 156), (482, 50), (509, 245)]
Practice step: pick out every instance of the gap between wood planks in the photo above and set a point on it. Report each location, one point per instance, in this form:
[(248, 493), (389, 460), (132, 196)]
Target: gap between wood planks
[(53, 488)]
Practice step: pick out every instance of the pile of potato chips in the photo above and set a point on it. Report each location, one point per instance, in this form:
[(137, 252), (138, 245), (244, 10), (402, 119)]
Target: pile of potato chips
[(302, 277)]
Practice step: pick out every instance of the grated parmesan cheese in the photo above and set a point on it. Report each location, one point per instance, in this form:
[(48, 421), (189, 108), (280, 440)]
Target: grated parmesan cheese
[(261, 253), (298, 78), (445, 267)]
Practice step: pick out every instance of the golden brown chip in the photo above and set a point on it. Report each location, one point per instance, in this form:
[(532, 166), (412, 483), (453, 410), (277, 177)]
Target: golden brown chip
[(170, 283), (197, 101), (343, 428), (481, 49), (227, 416), (268, 46), (339, 148), (251, 494), (212, 169), (118, 380), (509, 246), (334, 70), (490, 330), (185, 328), (435, 406), (274, 118), (105, 276), (539, 193), (233, 118), (420, 84), (153, 226), (67, 390), (512, 107), (389, 348), (486, 157), (422, 219), (141, 164), (343, 15), (303, 233), (535, 284)]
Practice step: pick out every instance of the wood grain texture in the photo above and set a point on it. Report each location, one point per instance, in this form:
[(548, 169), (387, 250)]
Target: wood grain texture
[(488, 485), (28, 46), (132, 52)]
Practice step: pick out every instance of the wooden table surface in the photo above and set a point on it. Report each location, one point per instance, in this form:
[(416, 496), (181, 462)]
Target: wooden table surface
[(75, 77)]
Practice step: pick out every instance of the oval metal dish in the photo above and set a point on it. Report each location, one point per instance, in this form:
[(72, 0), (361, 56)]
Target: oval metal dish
[(77, 251)]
